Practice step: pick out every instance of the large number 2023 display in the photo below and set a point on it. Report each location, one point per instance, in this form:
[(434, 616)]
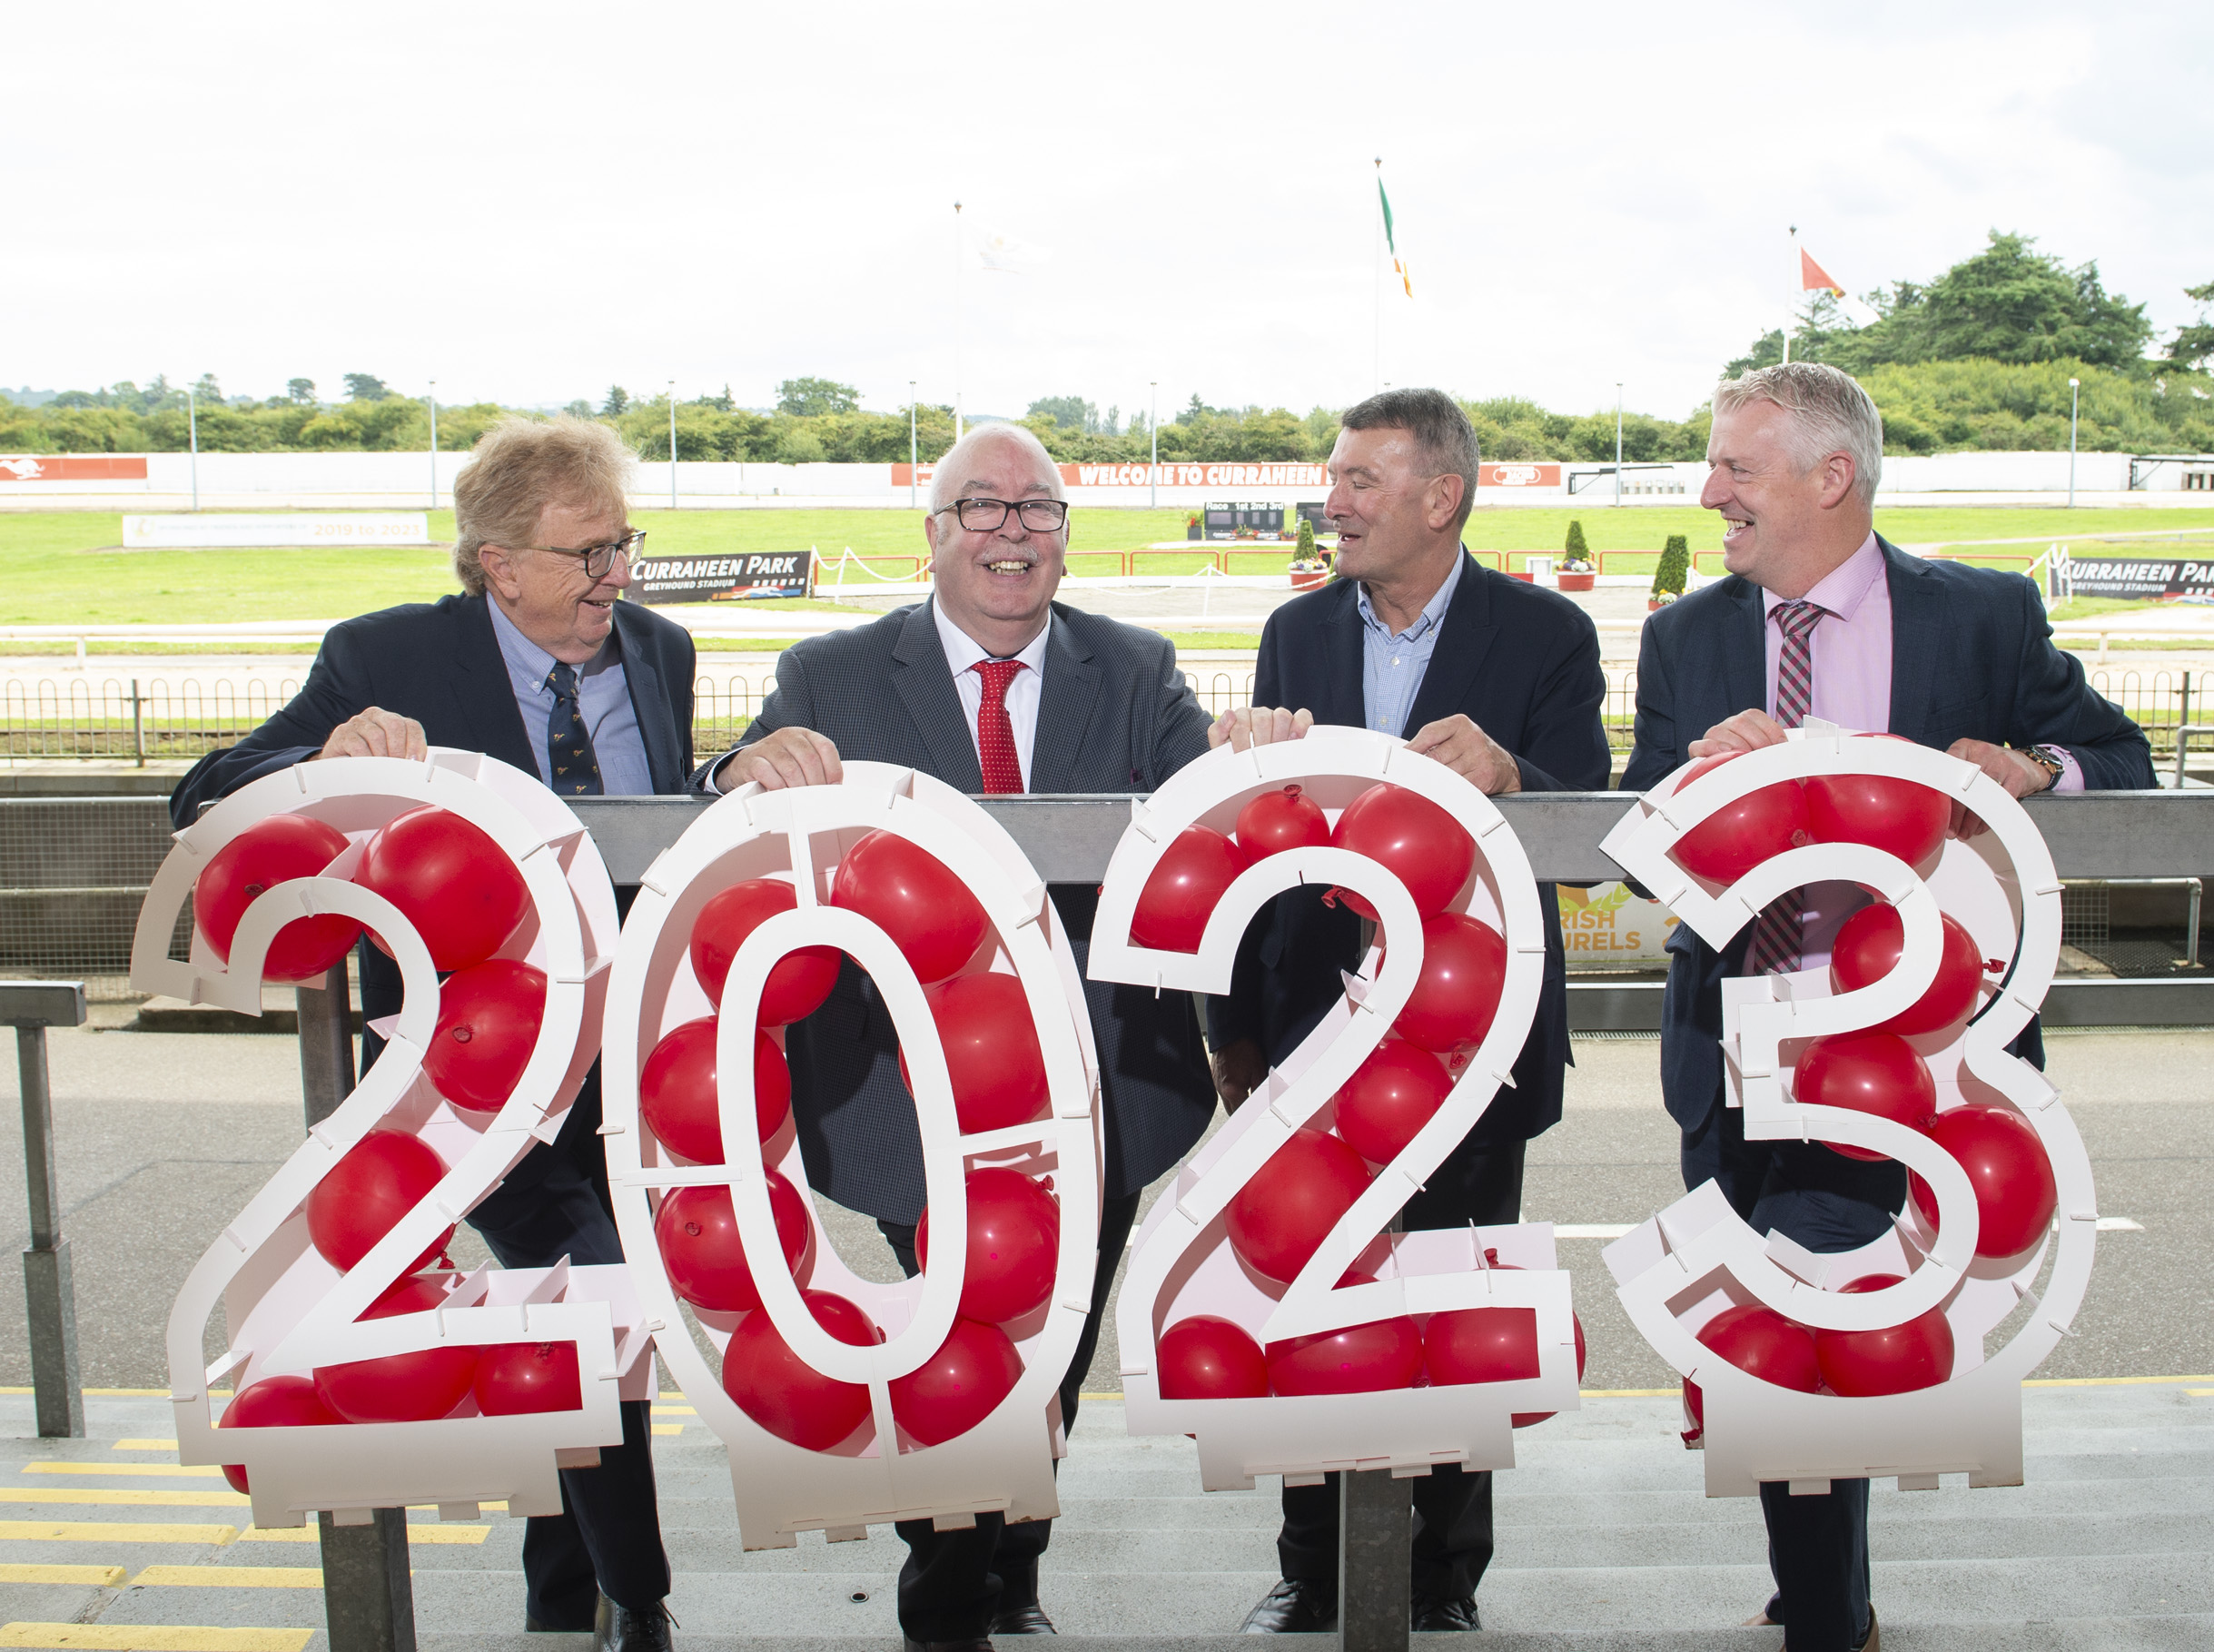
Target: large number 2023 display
[(1808, 1367), (368, 1373), (1268, 1313)]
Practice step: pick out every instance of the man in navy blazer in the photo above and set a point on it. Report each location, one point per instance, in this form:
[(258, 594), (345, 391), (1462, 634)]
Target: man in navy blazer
[(1943, 654), (991, 686), (539, 665), (1499, 681)]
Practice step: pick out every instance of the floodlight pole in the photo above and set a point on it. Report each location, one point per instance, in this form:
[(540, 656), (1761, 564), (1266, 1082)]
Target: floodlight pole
[(434, 444), (958, 319), (672, 444), (191, 426), (2075, 392), (1617, 442), (1153, 422), (914, 449), (1376, 282)]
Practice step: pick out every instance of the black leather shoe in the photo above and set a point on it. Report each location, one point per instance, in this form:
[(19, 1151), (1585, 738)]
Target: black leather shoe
[(620, 1629), (980, 1643), (1294, 1608), (1021, 1617), (1436, 1614)]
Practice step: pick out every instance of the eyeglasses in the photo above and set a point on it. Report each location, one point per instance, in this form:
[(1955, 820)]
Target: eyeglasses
[(986, 515), (599, 560)]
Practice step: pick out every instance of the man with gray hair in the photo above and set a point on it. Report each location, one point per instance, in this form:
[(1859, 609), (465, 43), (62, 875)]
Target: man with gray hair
[(1821, 616)]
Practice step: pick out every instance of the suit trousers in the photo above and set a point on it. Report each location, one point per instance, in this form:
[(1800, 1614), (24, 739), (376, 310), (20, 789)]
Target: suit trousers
[(953, 1582), (1817, 1546), (1452, 1506), (608, 1538)]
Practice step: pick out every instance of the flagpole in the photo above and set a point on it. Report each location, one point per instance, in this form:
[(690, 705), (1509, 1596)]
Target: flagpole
[(1376, 283), (957, 321), (1787, 303)]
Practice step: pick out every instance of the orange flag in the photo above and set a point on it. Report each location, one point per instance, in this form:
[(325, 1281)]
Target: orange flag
[(1813, 277)]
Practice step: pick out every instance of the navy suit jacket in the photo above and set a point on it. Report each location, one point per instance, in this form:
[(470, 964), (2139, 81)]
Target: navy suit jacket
[(1972, 658), (1523, 664), (1114, 715)]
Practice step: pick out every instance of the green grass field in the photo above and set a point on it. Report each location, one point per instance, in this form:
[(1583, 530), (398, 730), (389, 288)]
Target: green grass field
[(64, 568)]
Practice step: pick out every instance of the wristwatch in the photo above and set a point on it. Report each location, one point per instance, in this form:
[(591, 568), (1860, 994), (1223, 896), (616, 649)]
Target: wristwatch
[(2050, 759)]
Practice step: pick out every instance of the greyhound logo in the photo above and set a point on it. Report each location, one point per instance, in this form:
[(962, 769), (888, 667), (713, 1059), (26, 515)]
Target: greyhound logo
[(22, 469)]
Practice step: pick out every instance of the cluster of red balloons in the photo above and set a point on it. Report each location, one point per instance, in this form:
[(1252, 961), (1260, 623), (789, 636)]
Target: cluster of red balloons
[(1893, 1360), (1901, 817)]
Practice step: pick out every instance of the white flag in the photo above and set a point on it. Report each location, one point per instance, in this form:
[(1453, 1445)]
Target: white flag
[(1008, 254)]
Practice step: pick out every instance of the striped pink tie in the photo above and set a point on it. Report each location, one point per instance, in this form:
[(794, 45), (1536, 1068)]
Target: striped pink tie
[(1776, 933)]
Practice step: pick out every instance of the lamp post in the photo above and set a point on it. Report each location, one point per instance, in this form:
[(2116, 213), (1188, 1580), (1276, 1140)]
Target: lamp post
[(672, 444), (191, 426), (913, 452), (2075, 392), (434, 444), (1617, 442), (1152, 426)]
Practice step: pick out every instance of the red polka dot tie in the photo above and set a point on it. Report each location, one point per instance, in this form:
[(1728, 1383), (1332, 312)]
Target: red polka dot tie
[(994, 733)]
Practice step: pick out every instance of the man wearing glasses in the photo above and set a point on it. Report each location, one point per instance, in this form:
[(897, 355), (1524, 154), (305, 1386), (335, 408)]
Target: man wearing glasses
[(992, 687), (538, 664)]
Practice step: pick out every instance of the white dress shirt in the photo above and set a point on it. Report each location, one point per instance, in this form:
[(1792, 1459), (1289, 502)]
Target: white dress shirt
[(963, 651)]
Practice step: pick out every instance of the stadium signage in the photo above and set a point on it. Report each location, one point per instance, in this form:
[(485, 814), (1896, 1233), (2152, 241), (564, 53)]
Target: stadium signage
[(1513, 475), (214, 529), (663, 579), (2141, 578), (90, 467), (1519, 475)]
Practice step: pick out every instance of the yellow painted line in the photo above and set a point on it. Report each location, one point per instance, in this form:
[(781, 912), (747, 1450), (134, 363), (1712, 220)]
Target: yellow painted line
[(98, 1576), (152, 1637), (669, 1428), (675, 1410), (128, 1393), (2200, 1394), (112, 1531), (157, 1470), (2109, 1382), (229, 1577), (112, 1497), (146, 1445), (419, 1532)]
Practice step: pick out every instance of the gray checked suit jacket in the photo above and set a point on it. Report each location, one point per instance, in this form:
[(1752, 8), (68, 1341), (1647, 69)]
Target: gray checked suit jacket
[(1114, 715)]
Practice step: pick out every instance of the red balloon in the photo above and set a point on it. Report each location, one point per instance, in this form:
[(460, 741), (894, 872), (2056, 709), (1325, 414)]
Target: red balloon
[(273, 1402), (1410, 838), (1867, 949), (958, 1387), (697, 1229), (991, 1052), (1896, 1359), (1738, 836), (677, 1095), (1014, 1241), (1900, 816), (1526, 1419), (449, 880), (1275, 821), (1183, 889), (913, 898), (1279, 1218), (513, 1378), (1207, 1357), (1464, 968), (1876, 1073), (489, 1019), (1359, 1360), (1391, 1096), (798, 981), (1481, 1345), (783, 1393), (418, 1387), (2007, 1166), (1763, 1344), (381, 1178), (268, 853)]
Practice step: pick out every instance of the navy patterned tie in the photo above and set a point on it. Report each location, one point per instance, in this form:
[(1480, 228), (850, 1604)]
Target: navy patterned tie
[(1777, 932), (569, 744)]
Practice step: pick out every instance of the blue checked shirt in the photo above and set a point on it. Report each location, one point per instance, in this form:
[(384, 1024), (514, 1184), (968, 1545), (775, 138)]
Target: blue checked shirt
[(1391, 667), (602, 696)]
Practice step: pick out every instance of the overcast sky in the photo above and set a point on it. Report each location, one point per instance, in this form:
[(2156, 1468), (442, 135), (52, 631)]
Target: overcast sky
[(531, 202)]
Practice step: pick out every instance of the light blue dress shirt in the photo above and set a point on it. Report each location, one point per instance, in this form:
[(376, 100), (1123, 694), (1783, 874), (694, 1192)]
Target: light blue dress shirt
[(1393, 668), (601, 695)]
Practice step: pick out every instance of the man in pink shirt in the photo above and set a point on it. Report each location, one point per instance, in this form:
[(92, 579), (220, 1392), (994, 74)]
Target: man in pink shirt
[(1822, 618)]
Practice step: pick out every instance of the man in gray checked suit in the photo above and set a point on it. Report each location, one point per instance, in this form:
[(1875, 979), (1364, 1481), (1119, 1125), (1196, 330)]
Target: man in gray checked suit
[(990, 687)]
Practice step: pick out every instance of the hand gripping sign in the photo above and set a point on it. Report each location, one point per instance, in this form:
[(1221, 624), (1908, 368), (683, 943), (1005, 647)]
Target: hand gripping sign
[(363, 1382), (1266, 1311), (1809, 1367), (844, 1401)]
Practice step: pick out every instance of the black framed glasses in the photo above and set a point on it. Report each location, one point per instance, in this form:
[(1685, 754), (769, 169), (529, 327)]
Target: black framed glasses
[(988, 515), (599, 560)]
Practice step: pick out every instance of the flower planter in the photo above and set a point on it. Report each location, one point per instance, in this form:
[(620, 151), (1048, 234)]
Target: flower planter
[(1309, 579), (1654, 604), (1526, 578), (1578, 582)]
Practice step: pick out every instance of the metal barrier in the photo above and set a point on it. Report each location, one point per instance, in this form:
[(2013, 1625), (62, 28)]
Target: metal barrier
[(49, 1303)]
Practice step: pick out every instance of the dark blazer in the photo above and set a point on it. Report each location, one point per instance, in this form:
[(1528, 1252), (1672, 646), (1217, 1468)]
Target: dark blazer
[(439, 663), (1520, 662), (1115, 715), (1972, 658)]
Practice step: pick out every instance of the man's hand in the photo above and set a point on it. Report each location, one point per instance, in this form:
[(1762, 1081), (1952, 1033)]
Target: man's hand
[(1246, 727), (2019, 774), (1470, 753), (1747, 731), (790, 757), (377, 733), (1240, 1069)]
